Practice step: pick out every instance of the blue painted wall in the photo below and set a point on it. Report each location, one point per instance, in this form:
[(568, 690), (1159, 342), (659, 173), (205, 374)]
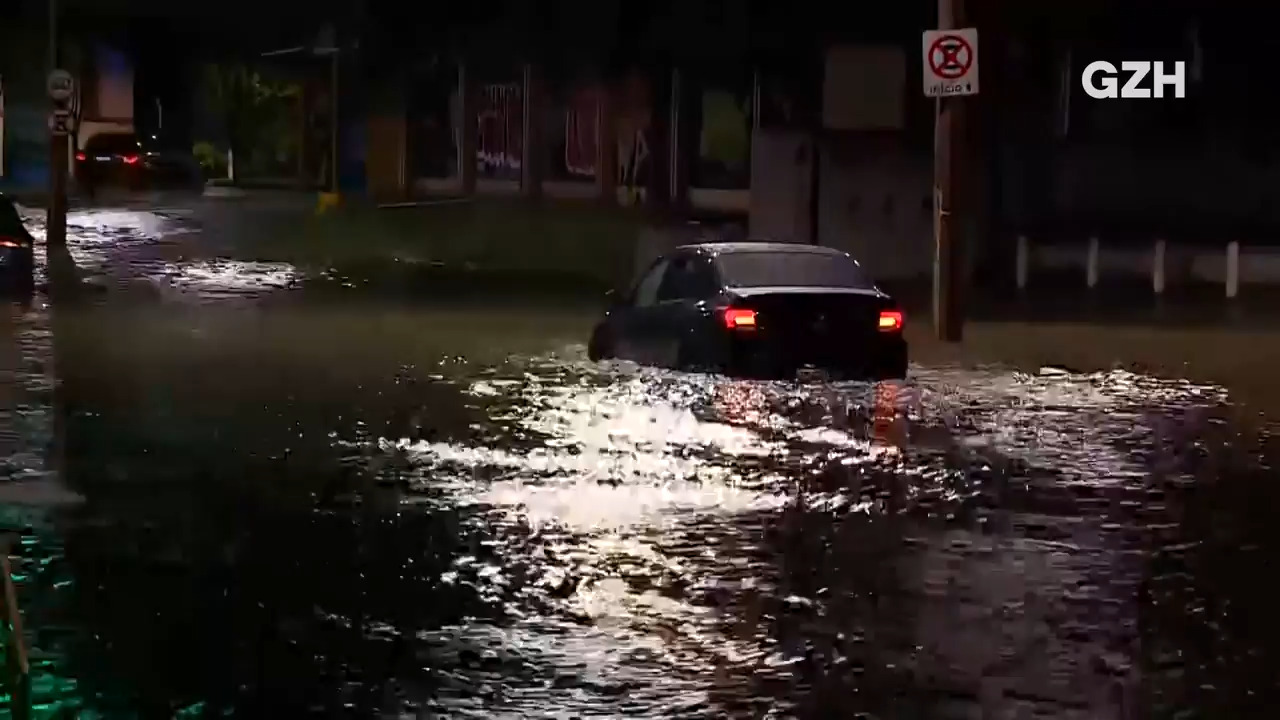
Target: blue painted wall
[(26, 151), (26, 112)]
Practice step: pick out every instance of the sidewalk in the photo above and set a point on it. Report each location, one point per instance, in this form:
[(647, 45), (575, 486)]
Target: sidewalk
[(1244, 360), (1202, 305)]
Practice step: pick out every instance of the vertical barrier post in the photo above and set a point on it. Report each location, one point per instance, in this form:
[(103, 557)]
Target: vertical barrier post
[(1157, 267), (1023, 260), (1091, 263), (1233, 269)]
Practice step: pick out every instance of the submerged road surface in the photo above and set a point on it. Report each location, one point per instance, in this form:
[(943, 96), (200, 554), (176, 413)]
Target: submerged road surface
[(236, 500)]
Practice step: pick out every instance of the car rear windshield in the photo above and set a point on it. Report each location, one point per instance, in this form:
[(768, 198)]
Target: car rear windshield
[(112, 143), (791, 269)]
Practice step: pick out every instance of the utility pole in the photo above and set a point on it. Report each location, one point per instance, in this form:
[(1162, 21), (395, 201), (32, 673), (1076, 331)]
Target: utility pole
[(56, 217), (951, 160)]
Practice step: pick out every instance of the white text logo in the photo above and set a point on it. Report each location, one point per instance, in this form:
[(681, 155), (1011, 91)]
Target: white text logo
[(1101, 80)]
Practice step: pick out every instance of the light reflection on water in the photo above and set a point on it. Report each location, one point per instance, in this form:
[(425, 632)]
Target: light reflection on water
[(638, 511), (546, 538)]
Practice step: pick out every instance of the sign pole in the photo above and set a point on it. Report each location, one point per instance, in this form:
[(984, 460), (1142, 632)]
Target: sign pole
[(950, 61), (60, 91)]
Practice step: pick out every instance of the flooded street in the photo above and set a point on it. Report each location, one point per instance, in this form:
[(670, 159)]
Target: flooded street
[(238, 498)]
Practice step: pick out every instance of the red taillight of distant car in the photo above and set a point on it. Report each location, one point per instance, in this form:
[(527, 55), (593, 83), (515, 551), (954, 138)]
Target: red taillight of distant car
[(890, 320), (80, 156), (9, 242), (130, 159), (739, 318)]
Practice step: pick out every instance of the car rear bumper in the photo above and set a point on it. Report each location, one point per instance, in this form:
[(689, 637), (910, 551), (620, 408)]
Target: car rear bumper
[(882, 357), (16, 265)]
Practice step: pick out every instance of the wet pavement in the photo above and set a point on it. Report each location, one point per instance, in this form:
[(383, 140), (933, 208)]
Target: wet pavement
[(238, 499)]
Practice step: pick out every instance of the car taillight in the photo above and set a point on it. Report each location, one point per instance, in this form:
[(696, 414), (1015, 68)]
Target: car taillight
[(739, 318), (9, 242), (890, 320), (130, 159), (80, 156)]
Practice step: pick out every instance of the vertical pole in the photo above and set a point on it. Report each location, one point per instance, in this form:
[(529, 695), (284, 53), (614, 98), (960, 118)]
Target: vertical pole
[(1233, 269), (677, 182), (1157, 267), (950, 173), (534, 147), (1091, 263), (56, 220)]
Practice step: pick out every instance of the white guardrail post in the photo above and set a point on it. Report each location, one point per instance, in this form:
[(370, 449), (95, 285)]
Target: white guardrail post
[(1157, 267), (1091, 263), (1233, 269)]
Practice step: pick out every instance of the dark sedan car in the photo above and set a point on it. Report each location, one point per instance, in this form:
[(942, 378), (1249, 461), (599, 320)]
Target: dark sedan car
[(134, 162), (756, 309), (17, 249)]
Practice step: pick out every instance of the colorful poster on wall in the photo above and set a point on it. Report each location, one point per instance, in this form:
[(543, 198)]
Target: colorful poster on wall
[(500, 131)]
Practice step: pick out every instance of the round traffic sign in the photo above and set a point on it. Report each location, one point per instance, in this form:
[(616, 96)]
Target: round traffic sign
[(61, 122), (950, 57), (60, 85)]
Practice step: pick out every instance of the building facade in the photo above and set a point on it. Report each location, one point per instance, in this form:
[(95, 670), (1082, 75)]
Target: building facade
[(1049, 161)]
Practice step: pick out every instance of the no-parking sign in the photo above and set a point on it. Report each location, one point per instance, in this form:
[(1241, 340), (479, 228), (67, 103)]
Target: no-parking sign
[(951, 62)]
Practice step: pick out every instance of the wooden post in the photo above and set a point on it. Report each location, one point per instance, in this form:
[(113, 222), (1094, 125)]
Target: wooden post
[(951, 172)]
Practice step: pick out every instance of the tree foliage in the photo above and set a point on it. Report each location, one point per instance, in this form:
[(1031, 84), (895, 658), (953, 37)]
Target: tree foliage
[(254, 109)]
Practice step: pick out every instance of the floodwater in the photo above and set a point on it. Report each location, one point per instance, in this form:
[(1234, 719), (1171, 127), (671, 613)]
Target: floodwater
[(236, 499)]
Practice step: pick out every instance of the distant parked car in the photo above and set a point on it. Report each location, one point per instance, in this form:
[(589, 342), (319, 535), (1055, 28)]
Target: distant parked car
[(17, 249), (135, 162), (756, 309)]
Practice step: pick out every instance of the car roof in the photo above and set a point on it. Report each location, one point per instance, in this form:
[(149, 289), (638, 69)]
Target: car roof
[(723, 248)]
